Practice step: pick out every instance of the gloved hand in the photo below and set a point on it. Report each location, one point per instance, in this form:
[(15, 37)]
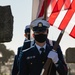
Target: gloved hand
[(54, 56)]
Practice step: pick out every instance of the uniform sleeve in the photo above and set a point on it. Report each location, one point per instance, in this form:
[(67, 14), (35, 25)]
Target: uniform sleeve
[(19, 50), (23, 66), (61, 65), (15, 67)]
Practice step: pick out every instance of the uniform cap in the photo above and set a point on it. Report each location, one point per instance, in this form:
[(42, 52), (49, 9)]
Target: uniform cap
[(27, 29), (39, 25)]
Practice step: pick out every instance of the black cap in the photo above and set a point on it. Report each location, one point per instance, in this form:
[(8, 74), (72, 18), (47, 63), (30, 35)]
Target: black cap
[(27, 29)]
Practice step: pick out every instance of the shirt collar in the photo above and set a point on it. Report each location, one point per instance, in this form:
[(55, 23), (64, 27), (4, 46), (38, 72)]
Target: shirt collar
[(38, 47)]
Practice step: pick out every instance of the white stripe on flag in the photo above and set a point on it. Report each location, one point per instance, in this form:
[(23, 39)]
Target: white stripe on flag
[(71, 24)]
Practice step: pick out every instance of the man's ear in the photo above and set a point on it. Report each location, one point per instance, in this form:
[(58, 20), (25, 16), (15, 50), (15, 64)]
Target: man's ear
[(33, 35), (25, 35)]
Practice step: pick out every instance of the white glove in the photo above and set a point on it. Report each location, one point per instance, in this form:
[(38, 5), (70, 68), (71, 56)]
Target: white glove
[(54, 56)]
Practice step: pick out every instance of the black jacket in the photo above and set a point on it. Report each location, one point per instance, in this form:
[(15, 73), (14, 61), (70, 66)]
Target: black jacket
[(15, 67)]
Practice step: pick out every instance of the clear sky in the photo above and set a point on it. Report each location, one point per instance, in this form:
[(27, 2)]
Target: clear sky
[(22, 12)]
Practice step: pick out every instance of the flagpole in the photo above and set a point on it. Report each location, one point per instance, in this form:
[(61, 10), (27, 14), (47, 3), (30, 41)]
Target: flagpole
[(45, 9)]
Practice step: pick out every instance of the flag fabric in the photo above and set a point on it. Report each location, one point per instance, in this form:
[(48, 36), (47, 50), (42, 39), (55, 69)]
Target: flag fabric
[(60, 13), (52, 6)]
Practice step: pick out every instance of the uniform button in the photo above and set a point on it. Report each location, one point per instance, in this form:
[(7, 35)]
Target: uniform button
[(43, 62), (31, 63)]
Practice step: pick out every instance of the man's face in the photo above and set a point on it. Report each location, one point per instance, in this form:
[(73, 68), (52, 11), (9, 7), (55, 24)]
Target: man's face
[(40, 36), (44, 32)]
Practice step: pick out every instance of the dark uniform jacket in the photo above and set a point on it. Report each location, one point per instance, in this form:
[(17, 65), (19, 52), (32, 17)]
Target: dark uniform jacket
[(31, 62), (15, 67)]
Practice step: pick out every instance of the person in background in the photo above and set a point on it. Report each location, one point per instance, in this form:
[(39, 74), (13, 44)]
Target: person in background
[(15, 68), (27, 32), (33, 59)]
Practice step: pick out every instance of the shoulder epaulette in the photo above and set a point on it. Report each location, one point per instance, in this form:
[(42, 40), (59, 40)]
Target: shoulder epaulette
[(27, 49), (27, 41)]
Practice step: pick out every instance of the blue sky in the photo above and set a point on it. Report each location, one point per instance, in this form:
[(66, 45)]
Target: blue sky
[(22, 12)]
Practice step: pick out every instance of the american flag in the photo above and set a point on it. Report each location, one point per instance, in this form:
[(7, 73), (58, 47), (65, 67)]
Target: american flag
[(60, 13)]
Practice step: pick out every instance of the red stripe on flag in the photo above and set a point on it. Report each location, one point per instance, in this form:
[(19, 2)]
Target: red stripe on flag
[(68, 16), (42, 8), (53, 3), (73, 32), (66, 19), (67, 4), (53, 16), (58, 5)]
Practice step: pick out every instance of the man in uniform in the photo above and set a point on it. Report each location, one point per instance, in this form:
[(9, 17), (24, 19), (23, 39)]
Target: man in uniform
[(27, 32), (15, 68), (33, 59)]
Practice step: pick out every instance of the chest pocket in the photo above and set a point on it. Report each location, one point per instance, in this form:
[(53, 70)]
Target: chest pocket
[(31, 60)]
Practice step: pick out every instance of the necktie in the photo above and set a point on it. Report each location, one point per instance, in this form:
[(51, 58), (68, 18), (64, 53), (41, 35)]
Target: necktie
[(42, 50), (42, 58)]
